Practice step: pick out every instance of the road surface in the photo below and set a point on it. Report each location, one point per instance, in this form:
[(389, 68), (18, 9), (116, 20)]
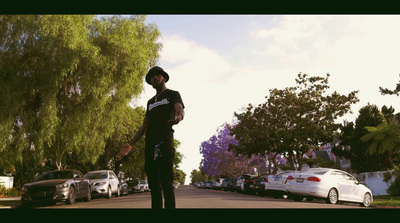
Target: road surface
[(190, 197)]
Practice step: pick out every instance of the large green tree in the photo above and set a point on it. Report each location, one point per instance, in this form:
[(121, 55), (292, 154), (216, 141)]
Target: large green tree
[(384, 138), (293, 120), (353, 148), (64, 80)]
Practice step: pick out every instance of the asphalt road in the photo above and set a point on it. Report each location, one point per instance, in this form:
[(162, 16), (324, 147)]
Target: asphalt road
[(190, 197)]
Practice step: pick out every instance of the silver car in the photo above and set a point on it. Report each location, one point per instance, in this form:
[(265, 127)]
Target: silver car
[(57, 185), (104, 183)]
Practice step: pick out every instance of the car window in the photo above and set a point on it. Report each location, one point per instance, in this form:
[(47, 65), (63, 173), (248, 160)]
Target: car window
[(315, 171), (132, 181), (97, 175), (349, 177), (337, 173), (55, 175)]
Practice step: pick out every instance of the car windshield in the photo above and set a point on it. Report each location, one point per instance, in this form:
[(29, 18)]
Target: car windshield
[(97, 175), (142, 182), (132, 181), (315, 171), (55, 175)]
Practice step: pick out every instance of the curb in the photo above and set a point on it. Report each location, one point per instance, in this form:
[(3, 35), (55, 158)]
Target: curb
[(10, 198)]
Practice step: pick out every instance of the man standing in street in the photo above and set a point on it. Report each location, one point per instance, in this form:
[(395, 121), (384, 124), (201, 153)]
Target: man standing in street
[(163, 111)]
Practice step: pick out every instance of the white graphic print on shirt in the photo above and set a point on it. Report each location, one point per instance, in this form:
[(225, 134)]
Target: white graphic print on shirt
[(158, 103)]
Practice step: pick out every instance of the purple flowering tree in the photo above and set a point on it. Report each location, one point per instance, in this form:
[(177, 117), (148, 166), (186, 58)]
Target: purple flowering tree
[(219, 161)]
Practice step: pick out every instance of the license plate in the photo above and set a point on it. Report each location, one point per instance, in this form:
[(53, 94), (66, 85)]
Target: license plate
[(300, 180), (251, 186), (39, 194), (276, 179)]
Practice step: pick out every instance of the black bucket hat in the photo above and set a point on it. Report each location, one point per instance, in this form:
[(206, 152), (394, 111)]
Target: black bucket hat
[(156, 70)]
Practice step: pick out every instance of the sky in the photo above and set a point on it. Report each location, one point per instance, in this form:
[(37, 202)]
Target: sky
[(222, 63)]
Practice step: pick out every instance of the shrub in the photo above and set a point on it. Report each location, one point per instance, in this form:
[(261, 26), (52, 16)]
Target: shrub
[(394, 188), (12, 192)]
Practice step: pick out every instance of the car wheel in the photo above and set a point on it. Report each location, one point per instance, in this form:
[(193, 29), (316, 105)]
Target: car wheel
[(71, 195), (109, 192), (332, 196), (89, 195), (367, 201), (118, 192)]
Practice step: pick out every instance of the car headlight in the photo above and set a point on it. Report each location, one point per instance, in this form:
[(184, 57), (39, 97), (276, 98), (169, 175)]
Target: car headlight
[(99, 183), (62, 186)]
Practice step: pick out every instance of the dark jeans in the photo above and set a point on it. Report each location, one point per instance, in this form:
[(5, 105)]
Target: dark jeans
[(160, 178)]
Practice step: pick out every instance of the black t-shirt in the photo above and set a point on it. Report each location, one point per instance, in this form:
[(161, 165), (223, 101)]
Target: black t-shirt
[(159, 112)]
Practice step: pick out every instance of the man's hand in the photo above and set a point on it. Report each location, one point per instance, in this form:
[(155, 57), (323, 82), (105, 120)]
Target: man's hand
[(179, 113), (175, 121), (125, 149)]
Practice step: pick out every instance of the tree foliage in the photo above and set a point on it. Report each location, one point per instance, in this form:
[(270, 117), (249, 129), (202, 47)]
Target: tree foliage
[(197, 176), (357, 144), (219, 161), (385, 137), (179, 176), (64, 81), (292, 120)]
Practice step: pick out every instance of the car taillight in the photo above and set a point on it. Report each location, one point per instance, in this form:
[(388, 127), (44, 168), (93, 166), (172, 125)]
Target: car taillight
[(314, 179), (266, 180), (288, 178)]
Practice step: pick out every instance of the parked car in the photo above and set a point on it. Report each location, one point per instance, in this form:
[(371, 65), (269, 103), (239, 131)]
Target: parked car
[(248, 185), (276, 184), (199, 184), (57, 185), (123, 186), (240, 182), (145, 185), (207, 185), (104, 183), (228, 184), (259, 185), (331, 184), (216, 184), (135, 186)]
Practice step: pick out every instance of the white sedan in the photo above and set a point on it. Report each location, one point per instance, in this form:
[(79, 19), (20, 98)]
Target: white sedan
[(332, 184), (276, 184)]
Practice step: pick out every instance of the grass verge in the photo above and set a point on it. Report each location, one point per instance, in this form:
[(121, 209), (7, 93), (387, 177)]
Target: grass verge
[(386, 200)]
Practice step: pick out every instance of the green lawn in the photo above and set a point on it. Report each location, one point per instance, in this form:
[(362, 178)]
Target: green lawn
[(386, 200)]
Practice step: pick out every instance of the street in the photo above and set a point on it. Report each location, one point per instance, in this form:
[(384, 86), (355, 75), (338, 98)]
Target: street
[(190, 197)]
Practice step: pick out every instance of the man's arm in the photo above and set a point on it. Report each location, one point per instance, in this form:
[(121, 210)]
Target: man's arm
[(126, 148), (179, 114), (141, 131)]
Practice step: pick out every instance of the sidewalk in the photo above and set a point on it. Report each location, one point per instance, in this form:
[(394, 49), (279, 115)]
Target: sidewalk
[(7, 202), (10, 198)]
